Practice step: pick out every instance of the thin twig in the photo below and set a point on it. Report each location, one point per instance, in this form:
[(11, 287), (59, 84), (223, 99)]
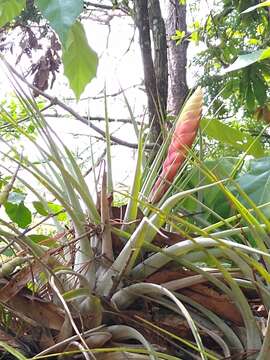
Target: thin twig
[(43, 220), (93, 118), (97, 163), (99, 6), (100, 97)]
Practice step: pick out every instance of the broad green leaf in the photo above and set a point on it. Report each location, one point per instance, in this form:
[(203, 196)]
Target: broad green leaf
[(265, 3), (231, 136), (214, 198), (61, 15), (20, 214), (244, 60), (9, 9), (256, 181), (56, 208), (80, 61), (40, 208)]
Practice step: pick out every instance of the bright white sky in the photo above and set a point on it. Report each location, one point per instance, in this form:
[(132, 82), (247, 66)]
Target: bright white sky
[(120, 65)]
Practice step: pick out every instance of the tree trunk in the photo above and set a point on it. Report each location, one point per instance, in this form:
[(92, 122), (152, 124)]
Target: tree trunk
[(157, 26), (147, 13), (177, 55)]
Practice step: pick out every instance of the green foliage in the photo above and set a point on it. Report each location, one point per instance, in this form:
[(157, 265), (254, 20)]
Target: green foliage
[(40, 208), (179, 36), (212, 198), (236, 138), (255, 182), (236, 61), (200, 221), (246, 60), (55, 208), (48, 208), (264, 3), (78, 55), (38, 237), (61, 15), (9, 9), (19, 214), (214, 236)]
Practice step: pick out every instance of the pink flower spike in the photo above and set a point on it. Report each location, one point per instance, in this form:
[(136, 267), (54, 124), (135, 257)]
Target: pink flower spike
[(182, 139)]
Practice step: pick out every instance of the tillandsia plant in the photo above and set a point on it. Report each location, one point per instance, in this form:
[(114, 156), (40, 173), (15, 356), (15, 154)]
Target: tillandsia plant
[(183, 137), (141, 281)]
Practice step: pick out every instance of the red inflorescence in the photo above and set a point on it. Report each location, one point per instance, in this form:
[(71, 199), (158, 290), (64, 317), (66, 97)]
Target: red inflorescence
[(183, 137)]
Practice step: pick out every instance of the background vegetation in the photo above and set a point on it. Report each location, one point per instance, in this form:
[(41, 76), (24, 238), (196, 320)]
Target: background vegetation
[(177, 265)]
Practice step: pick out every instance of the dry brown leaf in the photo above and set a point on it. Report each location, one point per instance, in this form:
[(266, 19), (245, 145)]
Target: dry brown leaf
[(201, 293), (165, 275), (10, 340), (18, 281), (45, 314), (220, 304)]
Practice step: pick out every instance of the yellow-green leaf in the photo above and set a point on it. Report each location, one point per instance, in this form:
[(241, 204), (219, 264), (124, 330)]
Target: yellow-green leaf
[(9, 9)]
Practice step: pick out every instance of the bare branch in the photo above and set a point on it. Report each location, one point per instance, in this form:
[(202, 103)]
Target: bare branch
[(94, 118), (123, 8), (72, 112), (99, 97), (99, 6)]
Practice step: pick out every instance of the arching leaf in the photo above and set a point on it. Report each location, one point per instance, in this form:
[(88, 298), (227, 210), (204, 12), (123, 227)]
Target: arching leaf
[(265, 3)]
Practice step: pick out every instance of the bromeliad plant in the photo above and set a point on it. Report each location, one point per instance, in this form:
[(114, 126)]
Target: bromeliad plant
[(182, 139), (141, 281)]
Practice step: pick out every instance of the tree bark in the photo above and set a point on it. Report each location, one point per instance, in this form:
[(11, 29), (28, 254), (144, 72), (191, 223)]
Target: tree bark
[(147, 12), (157, 26), (177, 57)]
